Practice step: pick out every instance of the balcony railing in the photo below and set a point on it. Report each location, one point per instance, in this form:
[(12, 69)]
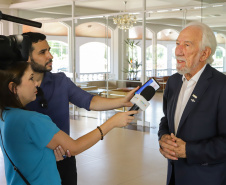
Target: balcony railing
[(83, 77), (93, 76)]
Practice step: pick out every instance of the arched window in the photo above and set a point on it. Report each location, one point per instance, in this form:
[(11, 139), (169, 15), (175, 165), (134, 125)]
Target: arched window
[(135, 35), (161, 60), (218, 58), (166, 63), (149, 61), (59, 50), (134, 59), (93, 58), (174, 61)]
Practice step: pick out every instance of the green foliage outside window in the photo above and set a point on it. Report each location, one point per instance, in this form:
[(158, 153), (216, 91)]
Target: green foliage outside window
[(59, 51), (219, 53), (133, 63)]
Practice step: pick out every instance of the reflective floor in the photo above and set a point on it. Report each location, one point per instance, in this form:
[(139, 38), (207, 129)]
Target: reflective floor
[(126, 156)]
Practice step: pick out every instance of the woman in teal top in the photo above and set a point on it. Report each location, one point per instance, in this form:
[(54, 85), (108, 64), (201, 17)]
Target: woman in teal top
[(29, 137), (25, 141)]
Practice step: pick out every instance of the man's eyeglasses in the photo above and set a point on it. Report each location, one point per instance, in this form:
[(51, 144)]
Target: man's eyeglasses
[(43, 103)]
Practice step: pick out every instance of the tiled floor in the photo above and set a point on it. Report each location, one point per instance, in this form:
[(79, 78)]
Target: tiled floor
[(124, 157)]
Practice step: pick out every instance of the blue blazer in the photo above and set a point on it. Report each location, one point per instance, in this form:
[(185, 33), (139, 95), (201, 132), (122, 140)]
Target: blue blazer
[(202, 127)]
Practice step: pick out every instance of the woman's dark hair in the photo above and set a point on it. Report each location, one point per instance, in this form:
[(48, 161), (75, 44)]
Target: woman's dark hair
[(14, 74)]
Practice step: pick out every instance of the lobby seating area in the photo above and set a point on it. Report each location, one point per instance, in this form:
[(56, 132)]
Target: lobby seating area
[(162, 82)]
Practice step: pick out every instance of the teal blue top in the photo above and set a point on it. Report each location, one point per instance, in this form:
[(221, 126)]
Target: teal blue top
[(25, 136)]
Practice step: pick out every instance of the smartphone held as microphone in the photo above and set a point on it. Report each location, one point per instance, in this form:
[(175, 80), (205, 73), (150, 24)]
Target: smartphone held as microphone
[(141, 100), (144, 94)]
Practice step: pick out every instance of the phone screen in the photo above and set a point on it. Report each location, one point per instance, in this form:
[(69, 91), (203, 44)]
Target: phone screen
[(152, 82)]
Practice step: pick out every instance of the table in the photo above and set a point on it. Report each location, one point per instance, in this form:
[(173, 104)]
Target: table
[(163, 85), (96, 91)]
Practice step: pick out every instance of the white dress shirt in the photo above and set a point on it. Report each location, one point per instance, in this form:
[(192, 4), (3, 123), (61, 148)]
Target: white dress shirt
[(185, 93)]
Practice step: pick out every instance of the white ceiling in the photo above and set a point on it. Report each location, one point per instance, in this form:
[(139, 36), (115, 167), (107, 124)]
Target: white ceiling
[(114, 5), (213, 16)]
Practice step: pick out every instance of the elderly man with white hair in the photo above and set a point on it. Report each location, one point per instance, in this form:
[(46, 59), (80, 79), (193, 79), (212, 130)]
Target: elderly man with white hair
[(192, 132)]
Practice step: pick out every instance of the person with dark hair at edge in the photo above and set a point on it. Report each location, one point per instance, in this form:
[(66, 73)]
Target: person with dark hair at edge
[(55, 93), (28, 138)]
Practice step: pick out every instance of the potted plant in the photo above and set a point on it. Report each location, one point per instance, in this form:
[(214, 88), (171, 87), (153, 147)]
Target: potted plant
[(133, 63)]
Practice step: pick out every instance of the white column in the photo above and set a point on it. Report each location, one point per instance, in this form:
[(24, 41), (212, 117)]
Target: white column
[(154, 53), (13, 27), (106, 42), (169, 59), (124, 53), (73, 54), (224, 56), (143, 54)]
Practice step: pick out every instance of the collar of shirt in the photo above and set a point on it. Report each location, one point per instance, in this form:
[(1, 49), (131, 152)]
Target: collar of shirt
[(185, 92), (47, 78), (195, 78), (48, 85)]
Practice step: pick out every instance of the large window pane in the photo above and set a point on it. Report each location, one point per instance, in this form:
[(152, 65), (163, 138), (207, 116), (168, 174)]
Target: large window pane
[(59, 50), (93, 58)]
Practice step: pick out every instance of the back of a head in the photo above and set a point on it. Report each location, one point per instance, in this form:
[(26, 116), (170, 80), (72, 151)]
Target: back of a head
[(35, 36), (208, 38)]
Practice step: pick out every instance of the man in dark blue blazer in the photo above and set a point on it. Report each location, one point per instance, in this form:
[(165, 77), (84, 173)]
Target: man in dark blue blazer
[(192, 133)]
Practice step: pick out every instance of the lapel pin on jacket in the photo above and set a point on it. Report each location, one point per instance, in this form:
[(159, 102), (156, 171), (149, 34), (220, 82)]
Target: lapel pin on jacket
[(194, 96), (192, 100)]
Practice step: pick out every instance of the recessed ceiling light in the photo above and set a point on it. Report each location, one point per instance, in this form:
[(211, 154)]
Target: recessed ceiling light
[(199, 7), (162, 11), (214, 15), (218, 5), (176, 10), (85, 17)]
